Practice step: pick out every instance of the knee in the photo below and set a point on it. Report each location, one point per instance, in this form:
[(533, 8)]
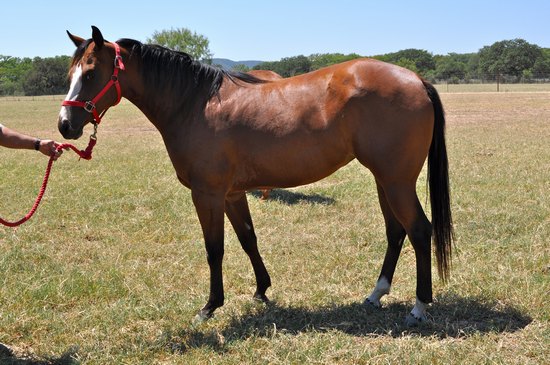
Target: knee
[(214, 255)]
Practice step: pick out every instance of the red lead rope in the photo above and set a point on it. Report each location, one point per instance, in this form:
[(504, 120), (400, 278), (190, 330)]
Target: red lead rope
[(85, 154)]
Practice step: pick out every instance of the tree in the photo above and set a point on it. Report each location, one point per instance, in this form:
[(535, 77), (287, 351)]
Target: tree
[(12, 73), (472, 67), (320, 60), (48, 76), (509, 57), (417, 60), (541, 68), (288, 66), (184, 40), (450, 67), (406, 63), (292, 66)]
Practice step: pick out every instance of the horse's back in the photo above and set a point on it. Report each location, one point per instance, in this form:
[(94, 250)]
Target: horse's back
[(266, 75)]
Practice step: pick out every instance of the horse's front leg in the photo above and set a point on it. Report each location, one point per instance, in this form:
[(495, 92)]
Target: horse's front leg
[(210, 210)]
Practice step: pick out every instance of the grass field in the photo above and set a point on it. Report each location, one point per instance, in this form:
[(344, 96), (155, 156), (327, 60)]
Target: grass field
[(112, 268)]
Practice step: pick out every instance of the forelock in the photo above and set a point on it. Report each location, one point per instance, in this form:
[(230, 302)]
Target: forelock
[(79, 52)]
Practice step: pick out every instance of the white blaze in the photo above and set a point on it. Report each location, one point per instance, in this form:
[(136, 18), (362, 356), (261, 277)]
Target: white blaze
[(76, 86)]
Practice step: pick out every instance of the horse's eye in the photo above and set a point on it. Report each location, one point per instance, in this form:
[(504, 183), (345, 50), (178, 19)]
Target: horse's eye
[(89, 76)]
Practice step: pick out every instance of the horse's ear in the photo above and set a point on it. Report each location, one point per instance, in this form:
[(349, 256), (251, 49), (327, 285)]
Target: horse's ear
[(76, 40), (98, 38)]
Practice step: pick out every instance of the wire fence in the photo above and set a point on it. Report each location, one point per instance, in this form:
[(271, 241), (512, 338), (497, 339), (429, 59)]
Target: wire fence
[(495, 83)]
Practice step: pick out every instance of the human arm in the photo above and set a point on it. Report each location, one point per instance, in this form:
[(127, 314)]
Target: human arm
[(12, 139)]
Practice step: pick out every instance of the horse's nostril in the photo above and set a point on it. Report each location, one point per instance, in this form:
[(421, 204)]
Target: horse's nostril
[(63, 126)]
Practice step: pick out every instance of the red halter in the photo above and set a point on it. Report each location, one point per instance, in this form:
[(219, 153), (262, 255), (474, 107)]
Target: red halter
[(90, 106)]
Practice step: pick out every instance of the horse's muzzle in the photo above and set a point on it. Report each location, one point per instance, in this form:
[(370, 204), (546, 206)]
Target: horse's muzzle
[(66, 129)]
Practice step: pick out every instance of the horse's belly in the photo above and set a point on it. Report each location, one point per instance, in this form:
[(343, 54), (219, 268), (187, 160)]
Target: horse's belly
[(290, 165)]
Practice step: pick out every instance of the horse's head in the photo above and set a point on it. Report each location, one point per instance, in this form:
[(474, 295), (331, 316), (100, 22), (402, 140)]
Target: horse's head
[(92, 74)]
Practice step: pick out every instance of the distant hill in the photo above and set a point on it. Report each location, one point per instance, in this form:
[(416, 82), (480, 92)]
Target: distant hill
[(229, 64)]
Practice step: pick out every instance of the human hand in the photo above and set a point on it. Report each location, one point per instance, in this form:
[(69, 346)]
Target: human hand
[(49, 148)]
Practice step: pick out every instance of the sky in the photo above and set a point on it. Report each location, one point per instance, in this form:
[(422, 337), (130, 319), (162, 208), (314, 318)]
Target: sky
[(270, 30)]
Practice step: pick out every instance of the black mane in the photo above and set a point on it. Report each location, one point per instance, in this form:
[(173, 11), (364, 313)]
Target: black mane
[(176, 73)]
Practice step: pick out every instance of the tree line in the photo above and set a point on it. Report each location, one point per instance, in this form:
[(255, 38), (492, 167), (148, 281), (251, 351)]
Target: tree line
[(506, 61), (36, 76)]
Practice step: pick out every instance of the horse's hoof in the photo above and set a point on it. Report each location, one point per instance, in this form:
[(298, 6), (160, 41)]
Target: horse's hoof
[(202, 317), (5, 351), (414, 321), (371, 304), (261, 298)]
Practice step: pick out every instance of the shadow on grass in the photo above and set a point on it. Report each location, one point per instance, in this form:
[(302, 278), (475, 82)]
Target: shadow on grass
[(10, 356), (450, 317), (292, 197)]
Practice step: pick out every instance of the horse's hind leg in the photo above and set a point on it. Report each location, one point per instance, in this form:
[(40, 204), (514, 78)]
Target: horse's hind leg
[(404, 203), (395, 234), (236, 209)]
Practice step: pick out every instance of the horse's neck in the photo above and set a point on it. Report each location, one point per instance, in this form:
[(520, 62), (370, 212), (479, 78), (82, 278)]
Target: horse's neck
[(150, 104), (164, 109)]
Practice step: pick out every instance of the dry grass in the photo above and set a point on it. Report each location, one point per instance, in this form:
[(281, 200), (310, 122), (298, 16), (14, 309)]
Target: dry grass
[(112, 268)]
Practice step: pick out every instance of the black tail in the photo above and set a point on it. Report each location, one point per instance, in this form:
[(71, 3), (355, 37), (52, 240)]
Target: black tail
[(438, 179)]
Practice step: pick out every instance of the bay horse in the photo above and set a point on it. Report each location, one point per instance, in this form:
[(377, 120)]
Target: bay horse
[(229, 132)]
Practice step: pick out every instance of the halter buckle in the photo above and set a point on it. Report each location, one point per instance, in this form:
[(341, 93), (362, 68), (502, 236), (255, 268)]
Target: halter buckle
[(89, 106), (118, 61)]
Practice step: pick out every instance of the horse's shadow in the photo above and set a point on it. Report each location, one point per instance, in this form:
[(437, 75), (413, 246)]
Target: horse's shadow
[(9, 356), (289, 197), (451, 317)]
